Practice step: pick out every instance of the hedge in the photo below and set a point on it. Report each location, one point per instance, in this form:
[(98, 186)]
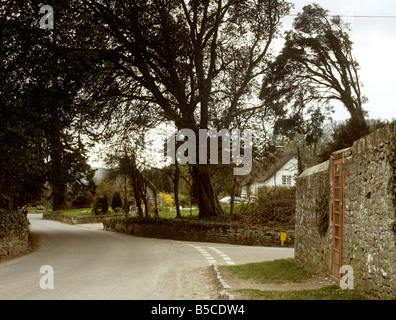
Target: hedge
[(12, 222)]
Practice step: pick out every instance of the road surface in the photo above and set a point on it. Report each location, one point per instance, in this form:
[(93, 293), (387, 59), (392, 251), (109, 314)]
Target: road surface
[(84, 263)]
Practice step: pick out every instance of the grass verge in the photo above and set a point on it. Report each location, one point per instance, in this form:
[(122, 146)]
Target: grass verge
[(277, 271), (286, 271)]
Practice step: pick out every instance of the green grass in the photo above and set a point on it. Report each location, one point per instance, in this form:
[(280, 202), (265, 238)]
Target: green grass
[(238, 209), (39, 211), (76, 212), (69, 212), (325, 293), (283, 271), (168, 214), (277, 271)]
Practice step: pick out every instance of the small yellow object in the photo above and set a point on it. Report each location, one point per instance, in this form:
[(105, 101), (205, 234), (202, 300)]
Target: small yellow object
[(283, 236)]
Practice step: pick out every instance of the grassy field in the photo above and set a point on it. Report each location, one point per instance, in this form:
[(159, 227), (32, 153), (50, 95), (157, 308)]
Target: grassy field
[(166, 214), (286, 271)]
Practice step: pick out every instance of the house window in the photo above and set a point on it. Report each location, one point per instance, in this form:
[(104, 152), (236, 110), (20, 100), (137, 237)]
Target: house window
[(286, 180)]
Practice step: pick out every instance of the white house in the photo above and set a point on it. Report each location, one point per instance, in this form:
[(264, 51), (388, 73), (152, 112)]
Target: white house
[(281, 171)]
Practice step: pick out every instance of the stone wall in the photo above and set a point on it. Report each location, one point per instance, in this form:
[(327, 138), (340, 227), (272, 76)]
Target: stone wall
[(369, 214), (76, 219), (369, 240), (14, 234), (198, 231), (14, 245), (311, 248)]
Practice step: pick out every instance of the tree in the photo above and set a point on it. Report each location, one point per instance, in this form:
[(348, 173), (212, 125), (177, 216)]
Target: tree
[(51, 76), (22, 152), (70, 68), (191, 62), (316, 66), (125, 161), (343, 136), (22, 160)]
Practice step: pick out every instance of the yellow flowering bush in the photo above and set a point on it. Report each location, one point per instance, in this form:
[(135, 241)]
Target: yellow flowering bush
[(166, 200)]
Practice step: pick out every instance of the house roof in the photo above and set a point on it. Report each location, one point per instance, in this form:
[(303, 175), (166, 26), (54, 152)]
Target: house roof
[(264, 170)]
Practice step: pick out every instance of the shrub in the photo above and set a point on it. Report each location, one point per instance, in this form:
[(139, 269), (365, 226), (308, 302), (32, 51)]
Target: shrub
[(12, 222), (184, 201), (274, 206), (128, 205), (101, 205), (116, 203), (166, 200), (105, 205)]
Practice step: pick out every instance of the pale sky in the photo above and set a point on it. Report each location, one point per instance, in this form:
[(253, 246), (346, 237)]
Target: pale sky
[(374, 40)]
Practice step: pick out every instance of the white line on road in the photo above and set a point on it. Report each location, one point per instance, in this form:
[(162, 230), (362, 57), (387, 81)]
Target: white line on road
[(225, 257), (210, 258)]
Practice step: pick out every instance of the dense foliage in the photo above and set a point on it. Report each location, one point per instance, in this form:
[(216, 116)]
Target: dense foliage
[(116, 203), (47, 79), (315, 69), (101, 205), (275, 207), (12, 222)]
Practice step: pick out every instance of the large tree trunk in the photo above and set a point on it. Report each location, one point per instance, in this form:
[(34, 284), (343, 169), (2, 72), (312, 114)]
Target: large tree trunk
[(234, 183), (208, 205), (176, 189), (57, 175), (156, 214), (59, 196), (136, 191)]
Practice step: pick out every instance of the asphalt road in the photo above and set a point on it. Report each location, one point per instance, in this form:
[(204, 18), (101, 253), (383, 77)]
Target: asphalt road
[(96, 264)]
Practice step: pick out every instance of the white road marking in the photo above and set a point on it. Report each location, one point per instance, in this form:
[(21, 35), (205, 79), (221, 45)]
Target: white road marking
[(210, 258), (225, 257)]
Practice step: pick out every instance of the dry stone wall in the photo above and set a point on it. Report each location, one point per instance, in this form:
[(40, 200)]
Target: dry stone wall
[(76, 219), (368, 235), (311, 248), (198, 231), (369, 214), (14, 245), (14, 234)]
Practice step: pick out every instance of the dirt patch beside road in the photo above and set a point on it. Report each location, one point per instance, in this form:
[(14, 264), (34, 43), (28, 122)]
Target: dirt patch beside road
[(192, 284)]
